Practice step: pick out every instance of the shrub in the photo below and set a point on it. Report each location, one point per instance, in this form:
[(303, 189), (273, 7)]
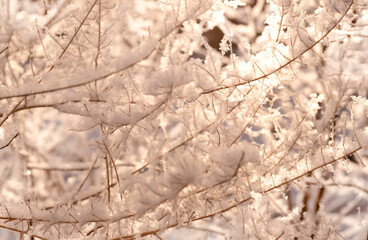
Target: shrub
[(232, 119)]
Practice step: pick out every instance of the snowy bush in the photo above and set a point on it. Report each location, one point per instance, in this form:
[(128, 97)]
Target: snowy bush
[(177, 119)]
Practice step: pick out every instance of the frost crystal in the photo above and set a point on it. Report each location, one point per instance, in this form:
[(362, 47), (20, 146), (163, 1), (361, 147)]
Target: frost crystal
[(218, 119)]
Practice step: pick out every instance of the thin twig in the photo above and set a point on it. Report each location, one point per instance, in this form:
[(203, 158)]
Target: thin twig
[(16, 135), (4, 50)]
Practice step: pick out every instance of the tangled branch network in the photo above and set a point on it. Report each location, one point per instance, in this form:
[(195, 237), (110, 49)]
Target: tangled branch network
[(215, 119)]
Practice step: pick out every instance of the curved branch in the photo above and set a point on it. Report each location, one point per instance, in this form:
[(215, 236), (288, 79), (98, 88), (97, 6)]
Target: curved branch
[(128, 60)]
